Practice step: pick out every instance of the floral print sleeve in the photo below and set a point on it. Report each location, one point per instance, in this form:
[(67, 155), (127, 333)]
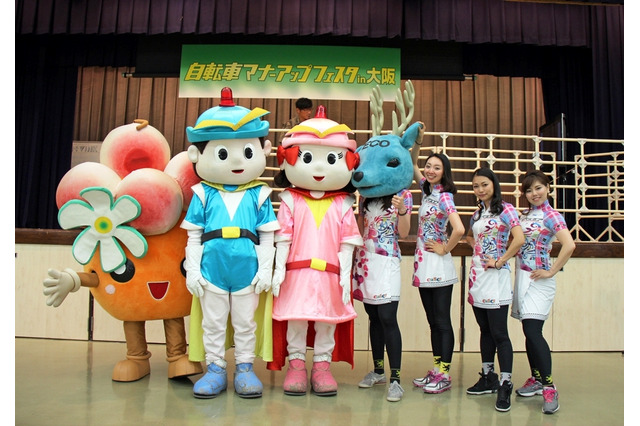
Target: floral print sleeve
[(509, 215), (446, 203), (555, 221)]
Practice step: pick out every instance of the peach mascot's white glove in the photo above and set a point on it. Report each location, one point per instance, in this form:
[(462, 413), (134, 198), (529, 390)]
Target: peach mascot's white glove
[(345, 255), (265, 252), (282, 254), (60, 285)]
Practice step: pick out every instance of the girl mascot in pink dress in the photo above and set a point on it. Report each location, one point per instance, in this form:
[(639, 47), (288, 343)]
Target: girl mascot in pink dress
[(314, 248)]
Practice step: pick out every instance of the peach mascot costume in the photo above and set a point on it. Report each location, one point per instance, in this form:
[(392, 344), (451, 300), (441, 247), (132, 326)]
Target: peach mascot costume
[(314, 247), (129, 205), (229, 253)]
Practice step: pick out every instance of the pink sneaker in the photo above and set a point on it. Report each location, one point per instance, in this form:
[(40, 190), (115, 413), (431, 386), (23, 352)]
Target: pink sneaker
[(322, 382), (420, 382), (438, 384), (295, 382)]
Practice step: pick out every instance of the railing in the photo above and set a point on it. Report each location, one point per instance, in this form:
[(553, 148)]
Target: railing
[(587, 175)]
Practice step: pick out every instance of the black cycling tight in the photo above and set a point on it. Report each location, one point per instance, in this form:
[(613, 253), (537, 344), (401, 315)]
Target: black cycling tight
[(494, 335), (437, 305), (384, 331)]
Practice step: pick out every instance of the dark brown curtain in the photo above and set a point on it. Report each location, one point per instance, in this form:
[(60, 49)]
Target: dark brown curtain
[(55, 37)]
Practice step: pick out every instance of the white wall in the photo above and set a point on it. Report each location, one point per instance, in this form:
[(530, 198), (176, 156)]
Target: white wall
[(588, 313)]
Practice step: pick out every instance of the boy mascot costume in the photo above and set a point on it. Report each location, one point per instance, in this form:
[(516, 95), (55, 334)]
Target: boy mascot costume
[(129, 205), (314, 249), (229, 253)]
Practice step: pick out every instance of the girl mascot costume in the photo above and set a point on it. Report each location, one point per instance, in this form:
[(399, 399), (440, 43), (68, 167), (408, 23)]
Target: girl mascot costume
[(314, 249)]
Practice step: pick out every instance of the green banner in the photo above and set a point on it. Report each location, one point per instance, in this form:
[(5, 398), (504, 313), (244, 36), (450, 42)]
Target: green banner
[(279, 72)]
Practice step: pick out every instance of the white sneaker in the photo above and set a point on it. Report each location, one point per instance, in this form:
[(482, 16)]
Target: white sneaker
[(395, 392), (372, 378), (438, 384), (420, 382)]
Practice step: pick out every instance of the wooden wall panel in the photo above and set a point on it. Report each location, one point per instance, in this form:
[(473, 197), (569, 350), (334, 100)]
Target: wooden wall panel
[(487, 104)]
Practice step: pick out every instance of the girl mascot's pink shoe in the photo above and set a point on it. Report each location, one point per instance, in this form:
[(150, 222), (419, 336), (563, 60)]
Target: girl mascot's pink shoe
[(322, 380), (295, 382)]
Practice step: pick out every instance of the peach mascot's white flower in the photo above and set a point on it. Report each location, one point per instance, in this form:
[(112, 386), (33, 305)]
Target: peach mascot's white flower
[(103, 219)]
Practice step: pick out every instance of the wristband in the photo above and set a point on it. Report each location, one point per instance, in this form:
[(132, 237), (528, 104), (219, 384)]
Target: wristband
[(403, 214), (497, 260), (76, 279)]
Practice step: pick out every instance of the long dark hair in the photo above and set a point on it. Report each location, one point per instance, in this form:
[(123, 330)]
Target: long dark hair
[(495, 206), (530, 178), (385, 200), (447, 178)]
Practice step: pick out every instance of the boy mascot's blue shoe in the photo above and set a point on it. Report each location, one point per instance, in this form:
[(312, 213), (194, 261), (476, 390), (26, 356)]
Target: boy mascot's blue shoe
[(212, 383), (246, 382)]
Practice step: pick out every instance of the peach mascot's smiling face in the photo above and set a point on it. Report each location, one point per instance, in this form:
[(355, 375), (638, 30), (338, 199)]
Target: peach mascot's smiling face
[(130, 205), (151, 287)]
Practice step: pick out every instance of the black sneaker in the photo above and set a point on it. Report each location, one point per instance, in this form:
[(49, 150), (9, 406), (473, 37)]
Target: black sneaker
[(488, 383), (503, 403)]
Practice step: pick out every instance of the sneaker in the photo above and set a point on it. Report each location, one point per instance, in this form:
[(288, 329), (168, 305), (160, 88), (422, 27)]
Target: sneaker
[(395, 392), (488, 383), (372, 378), (420, 382), (438, 384), (530, 388), (550, 396), (503, 402)]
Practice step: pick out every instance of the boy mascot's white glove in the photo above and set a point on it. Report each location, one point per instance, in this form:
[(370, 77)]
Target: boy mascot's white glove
[(345, 255), (282, 254), (262, 280), (193, 259), (60, 285)]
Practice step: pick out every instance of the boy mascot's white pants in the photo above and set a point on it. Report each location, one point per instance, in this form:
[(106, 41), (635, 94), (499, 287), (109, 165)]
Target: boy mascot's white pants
[(216, 308), (322, 346)]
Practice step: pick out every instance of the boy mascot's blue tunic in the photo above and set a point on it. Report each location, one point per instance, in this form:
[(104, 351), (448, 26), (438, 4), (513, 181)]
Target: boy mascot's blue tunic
[(231, 263)]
